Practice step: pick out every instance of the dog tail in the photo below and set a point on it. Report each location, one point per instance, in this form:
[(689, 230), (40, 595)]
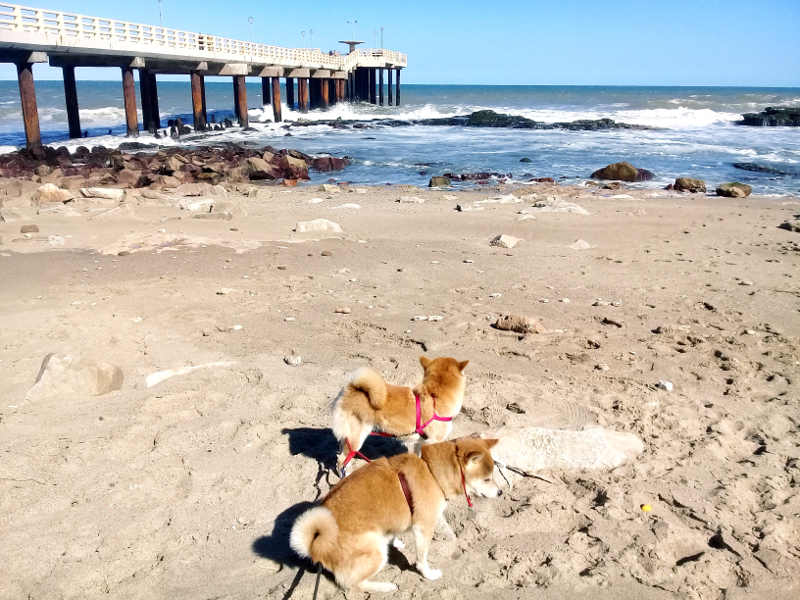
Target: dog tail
[(315, 535), (372, 384)]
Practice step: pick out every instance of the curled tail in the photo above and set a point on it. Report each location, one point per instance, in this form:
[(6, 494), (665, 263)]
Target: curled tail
[(315, 535), (372, 384)]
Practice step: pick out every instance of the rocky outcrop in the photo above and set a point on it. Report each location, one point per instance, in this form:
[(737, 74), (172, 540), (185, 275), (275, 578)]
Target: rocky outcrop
[(490, 118), (768, 169), (734, 190), (439, 181), (777, 116), (688, 184), (622, 171), (62, 174)]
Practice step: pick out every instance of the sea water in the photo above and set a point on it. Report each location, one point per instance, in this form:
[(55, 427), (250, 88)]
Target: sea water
[(694, 132)]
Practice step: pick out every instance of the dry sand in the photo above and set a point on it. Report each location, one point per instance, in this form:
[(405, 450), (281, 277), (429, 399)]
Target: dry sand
[(186, 489)]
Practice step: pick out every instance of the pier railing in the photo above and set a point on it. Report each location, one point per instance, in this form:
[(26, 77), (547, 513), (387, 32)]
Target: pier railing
[(52, 28)]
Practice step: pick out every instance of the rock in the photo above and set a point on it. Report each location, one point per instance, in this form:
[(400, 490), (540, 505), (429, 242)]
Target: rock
[(411, 200), (293, 360), (29, 229), (49, 193), (329, 188), (791, 226), (293, 168), (342, 310), (258, 168), (107, 193), (317, 225), (69, 375), (439, 181), (516, 323), (193, 189), (580, 245), (665, 385), (504, 241), (557, 205), (214, 216), (687, 184), (525, 159), (770, 169), (777, 116), (622, 171), (329, 163), (289, 182), (326, 253), (734, 190)]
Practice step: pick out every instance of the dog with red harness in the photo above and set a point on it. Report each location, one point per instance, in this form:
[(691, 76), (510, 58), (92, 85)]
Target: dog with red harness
[(368, 405), (349, 533)]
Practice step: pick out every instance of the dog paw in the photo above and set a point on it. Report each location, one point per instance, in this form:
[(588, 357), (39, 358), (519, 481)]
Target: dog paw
[(431, 574), (398, 543)]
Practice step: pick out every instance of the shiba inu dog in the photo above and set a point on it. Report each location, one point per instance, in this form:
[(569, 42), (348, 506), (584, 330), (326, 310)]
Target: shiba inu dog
[(367, 402), (350, 531)]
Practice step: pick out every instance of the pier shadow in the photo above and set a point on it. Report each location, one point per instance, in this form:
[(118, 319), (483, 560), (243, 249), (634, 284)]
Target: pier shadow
[(321, 445)]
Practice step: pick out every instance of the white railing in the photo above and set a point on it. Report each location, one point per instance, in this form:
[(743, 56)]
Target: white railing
[(73, 30)]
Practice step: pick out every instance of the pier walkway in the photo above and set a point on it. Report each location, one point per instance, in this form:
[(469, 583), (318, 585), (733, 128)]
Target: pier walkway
[(33, 35)]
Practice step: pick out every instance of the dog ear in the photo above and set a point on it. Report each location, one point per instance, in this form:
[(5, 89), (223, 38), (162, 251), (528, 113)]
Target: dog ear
[(491, 442), (462, 365), (473, 458), (425, 361)]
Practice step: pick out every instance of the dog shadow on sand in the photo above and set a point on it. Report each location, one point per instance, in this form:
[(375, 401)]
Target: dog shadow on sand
[(321, 445)]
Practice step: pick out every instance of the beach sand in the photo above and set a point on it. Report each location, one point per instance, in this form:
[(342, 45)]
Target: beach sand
[(186, 489)]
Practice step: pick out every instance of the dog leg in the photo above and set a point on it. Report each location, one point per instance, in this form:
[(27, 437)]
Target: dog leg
[(423, 533)]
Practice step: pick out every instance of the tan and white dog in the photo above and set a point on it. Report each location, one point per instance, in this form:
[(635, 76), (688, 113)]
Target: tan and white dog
[(367, 402), (350, 531)]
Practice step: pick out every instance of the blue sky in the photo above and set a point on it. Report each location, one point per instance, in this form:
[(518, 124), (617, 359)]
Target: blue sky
[(588, 42)]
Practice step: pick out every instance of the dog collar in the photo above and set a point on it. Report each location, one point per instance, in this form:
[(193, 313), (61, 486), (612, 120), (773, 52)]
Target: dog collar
[(464, 486)]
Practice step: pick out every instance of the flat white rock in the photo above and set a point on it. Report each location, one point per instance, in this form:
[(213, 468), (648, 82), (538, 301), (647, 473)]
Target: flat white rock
[(504, 241), (317, 225)]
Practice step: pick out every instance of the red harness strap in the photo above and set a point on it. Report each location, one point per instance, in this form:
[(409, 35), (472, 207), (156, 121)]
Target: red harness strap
[(421, 428), (464, 486), (406, 491), (351, 454)]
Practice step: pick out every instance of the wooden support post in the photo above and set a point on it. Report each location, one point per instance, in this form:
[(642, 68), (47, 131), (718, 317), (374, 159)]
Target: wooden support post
[(332, 90), (30, 113), (324, 97), (276, 99), (240, 95), (290, 93), (389, 85), (397, 90), (71, 97), (129, 97), (155, 116), (372, 98), (197, 101), (236, 114), (380, 87), (350, 79), (266, 91), (203, 86), (302, 88)]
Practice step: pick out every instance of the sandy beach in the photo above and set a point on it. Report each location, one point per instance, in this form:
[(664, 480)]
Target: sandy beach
[(184, 485)]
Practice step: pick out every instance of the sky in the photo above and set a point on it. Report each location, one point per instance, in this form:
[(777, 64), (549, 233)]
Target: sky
[(562, 42)]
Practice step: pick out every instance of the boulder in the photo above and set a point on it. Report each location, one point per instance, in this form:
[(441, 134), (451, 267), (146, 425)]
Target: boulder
[(791, 225), (504, 241), (439, 181), (517, 324), (29, 229), (622, 171), (258, 168), (293, 167), (50, 193), (318, 225), (71, 375), (107, 193), (734, 190), (688, 184), (773, 116), (329, 163)]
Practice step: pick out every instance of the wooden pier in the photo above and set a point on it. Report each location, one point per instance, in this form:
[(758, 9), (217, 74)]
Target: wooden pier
[(32, 35)]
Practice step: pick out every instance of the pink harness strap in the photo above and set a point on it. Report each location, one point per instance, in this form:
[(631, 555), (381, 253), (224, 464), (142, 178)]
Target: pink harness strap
[(420, 427), (352, 454)]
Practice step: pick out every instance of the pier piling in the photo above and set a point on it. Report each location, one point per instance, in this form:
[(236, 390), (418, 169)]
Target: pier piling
[(30, 113), (198, 101), (71, 99), (276, 99), (266, 91), (397, 89), (129, 98), (290, 93), (372, 98), (380, 87), (302, 88), (389, 86), (324, 96), (240, 98)]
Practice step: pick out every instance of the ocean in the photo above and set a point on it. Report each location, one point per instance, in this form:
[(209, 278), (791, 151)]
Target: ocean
[(694, 133)]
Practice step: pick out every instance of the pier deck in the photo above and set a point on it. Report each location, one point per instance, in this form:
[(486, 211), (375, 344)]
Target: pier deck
[(66, 40)]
